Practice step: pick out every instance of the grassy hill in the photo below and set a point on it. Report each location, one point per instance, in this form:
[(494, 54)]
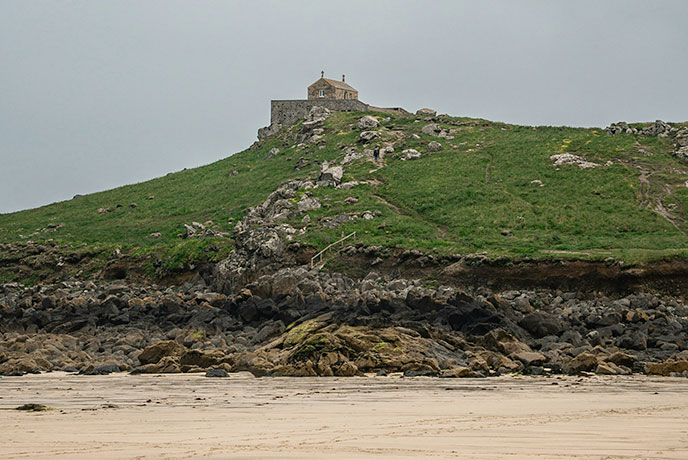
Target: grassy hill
[(476, 194)]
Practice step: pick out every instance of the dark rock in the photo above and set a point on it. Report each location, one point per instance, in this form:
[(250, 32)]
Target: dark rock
[(201, 359), (218, 372), (608, 319), (541, 324), (473, 318), (529, 358), (106, 369), (100, 370), (423, 303), (32, 407), (248, 311), (593, 337), (633, 341), (622, 359)]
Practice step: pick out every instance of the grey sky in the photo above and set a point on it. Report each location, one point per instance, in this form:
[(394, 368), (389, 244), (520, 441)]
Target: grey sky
[(96, 94)]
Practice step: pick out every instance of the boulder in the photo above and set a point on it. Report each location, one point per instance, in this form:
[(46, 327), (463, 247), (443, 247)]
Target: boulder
[(367, 122), (201, 359), (432, 129), (501, 341), (272, 153), (330, 176), (434, 146), (167, 365), (19, 366), (622, 359), (473, 318), (540, 324), (410, 154), (426, 112), (217, 373), (317, 114), (213, 298), (584, 362), (155, 353), (633, 341), (617, 128), (657, 129), (607, 368), (457, 372), (103, 369), (347, 369), (367, 136), (571, 159), (529, 358), (667, 367)]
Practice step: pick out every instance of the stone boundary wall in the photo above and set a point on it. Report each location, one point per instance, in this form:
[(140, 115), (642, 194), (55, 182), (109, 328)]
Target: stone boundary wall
[(288, 112)]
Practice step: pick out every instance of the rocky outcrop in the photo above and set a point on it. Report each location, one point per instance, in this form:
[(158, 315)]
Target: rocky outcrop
[(434, 129), (571, 159), (681, 144), (367, 136), (658, 129), (312, 127), (368, 122), (154, 353), (260, 239), (330, 176), (295, 321), (257, 249), (425, 112), (668, 368), (268, 131), (620, 128)]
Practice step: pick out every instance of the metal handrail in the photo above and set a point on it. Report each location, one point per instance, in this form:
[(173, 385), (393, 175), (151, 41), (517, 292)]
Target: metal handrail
[(320, 254)]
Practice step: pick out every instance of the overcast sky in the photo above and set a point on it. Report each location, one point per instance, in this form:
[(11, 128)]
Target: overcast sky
[(96, 94)]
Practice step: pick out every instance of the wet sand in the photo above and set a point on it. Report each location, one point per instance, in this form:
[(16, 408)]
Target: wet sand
[(191, 416)]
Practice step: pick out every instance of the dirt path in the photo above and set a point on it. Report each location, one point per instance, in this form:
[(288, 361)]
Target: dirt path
[(653, 202), (487, 168), (189, 416), (651, 196)]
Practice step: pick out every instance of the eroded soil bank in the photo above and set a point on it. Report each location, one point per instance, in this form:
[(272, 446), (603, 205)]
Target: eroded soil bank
[(190, 416)]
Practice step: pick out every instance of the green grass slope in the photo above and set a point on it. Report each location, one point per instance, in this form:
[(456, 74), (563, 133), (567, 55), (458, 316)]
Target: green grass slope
[(474, 195)]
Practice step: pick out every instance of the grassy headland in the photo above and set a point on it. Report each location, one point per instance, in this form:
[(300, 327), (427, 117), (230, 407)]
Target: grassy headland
[(492, 187)]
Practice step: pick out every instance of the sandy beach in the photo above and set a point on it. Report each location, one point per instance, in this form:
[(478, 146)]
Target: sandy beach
[(191, 416)]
